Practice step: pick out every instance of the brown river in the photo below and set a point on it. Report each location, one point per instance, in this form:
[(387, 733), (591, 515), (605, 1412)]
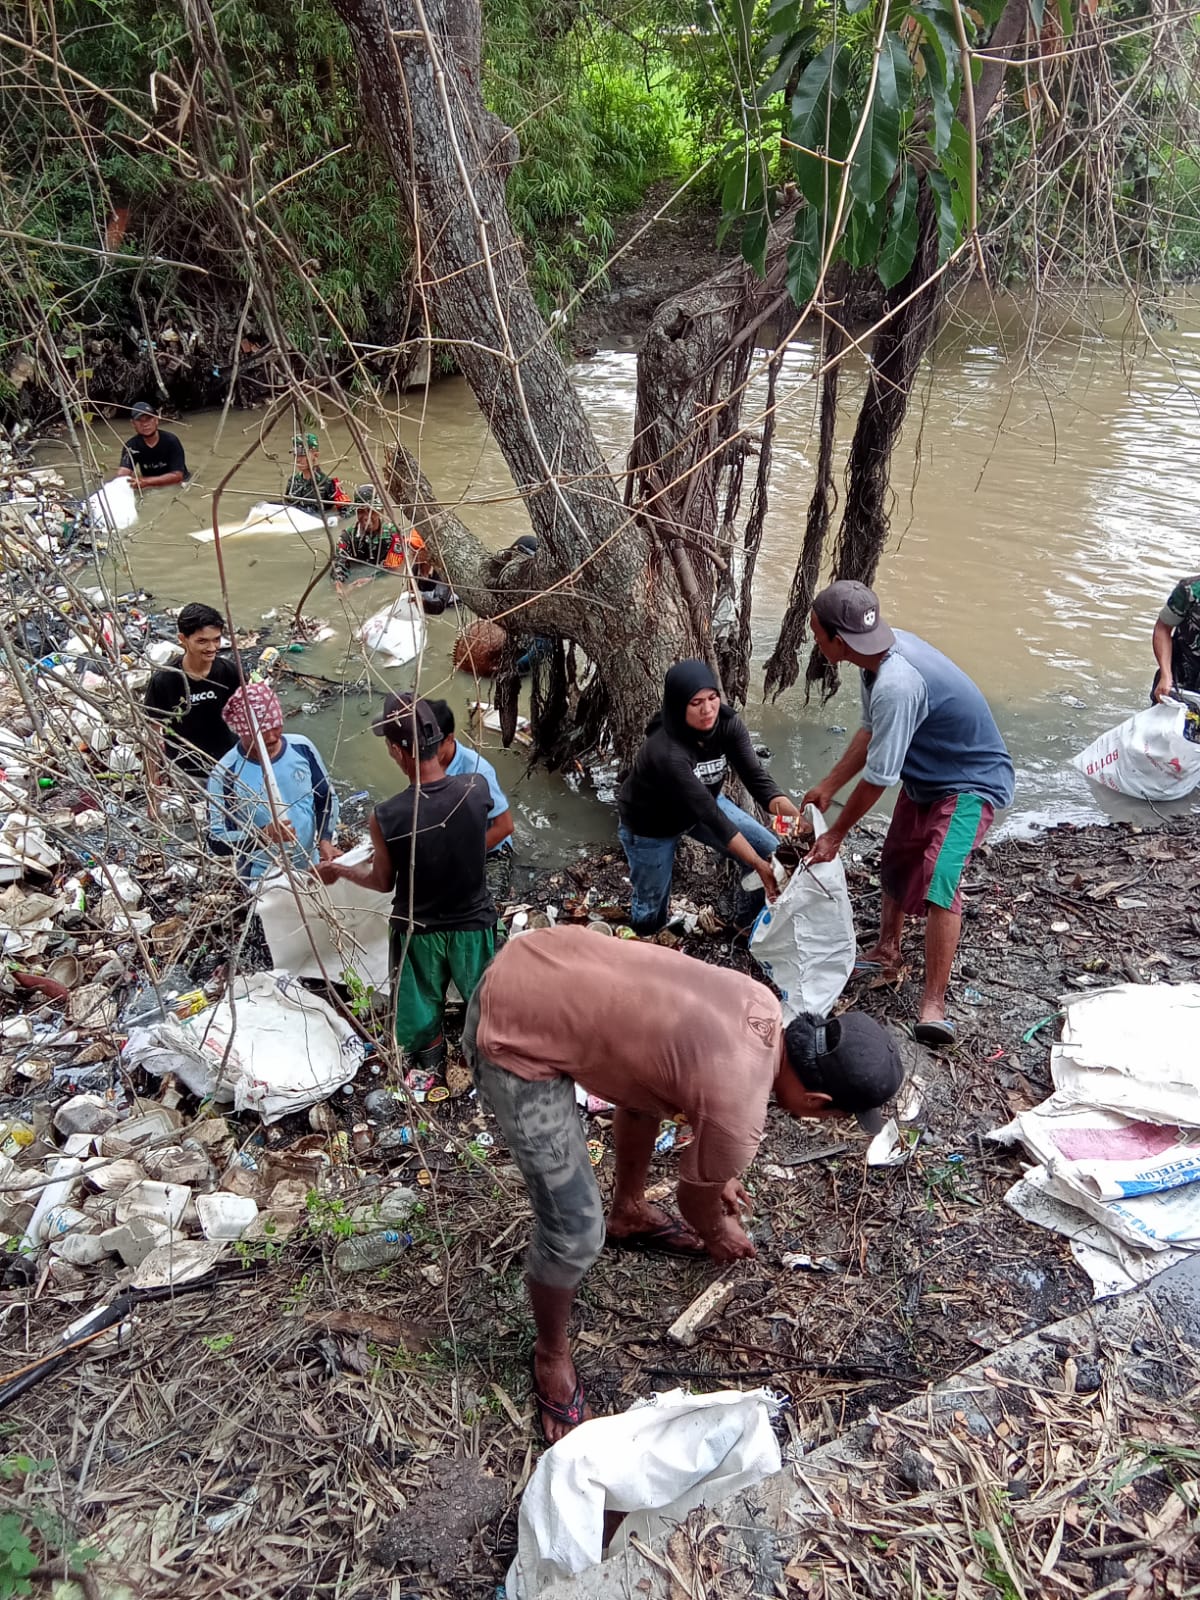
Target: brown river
[(1045, 504)]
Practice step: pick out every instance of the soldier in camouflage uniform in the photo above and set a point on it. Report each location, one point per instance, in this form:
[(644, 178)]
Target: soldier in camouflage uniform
[(1177, 641)]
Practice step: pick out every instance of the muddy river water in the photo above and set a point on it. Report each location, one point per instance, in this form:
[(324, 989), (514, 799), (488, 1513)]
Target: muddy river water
[(1044, 509)]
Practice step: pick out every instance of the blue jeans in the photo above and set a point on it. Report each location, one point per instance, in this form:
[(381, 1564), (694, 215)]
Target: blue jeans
[(651, 862)]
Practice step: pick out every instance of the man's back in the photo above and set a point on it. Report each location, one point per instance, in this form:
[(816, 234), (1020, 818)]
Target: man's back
[(954, 745), (467, 759), (436, 837), (647, 1027)]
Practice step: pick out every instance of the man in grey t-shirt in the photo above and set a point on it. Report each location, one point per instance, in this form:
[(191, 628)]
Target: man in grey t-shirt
[(926, 726)]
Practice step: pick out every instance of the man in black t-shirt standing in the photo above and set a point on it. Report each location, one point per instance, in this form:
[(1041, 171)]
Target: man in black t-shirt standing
[(153, 458), (429, 845), (188, 699)]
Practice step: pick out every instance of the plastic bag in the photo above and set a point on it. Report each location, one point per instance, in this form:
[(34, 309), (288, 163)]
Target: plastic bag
[(397, 632), (330, 928), (1118, 1141), (266, 516), (276, 1048), (114, 507), (656, 1461), (805, 941), (1146, 757)]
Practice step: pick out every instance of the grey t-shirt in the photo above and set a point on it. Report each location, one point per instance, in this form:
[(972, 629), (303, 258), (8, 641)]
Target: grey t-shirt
[(931, 728)]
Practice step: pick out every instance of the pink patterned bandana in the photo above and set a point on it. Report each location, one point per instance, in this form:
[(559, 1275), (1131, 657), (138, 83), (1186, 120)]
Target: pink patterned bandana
[(254, 705)]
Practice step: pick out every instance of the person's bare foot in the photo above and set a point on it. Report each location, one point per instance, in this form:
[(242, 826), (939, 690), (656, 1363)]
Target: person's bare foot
[(642, 1217), (886, 955), (558, 1395), (888, 960)]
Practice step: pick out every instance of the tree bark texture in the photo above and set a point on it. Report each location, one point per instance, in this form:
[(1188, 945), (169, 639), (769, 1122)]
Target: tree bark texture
[(419, 68)]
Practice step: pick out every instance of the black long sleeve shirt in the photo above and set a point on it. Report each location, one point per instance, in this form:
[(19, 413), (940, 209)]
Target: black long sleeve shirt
[(673, 785)]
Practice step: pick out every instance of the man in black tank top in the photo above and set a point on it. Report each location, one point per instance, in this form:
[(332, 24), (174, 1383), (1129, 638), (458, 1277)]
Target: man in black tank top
[(429, 848)]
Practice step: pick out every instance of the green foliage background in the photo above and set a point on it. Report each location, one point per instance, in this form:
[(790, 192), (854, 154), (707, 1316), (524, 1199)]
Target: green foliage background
[(600, 107), (607, 97)]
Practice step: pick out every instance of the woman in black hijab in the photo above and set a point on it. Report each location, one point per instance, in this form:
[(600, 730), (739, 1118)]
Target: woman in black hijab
[(675, 788)]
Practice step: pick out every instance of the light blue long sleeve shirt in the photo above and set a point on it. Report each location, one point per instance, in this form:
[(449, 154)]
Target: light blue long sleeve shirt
[(238, 808)]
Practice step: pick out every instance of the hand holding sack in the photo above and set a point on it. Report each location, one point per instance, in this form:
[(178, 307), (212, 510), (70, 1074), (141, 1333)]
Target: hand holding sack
[(805, 941)]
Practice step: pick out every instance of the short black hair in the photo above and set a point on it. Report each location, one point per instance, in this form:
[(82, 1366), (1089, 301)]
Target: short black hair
[(441, 710), (197, 615)]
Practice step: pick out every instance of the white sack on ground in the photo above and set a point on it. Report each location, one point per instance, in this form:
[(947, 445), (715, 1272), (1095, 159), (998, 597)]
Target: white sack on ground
[(270, 1047), (266, 517), (113, 507), (397, 633), (339, 926), (1132, 1048), (1146, 757), (1104, 1154), (656, 1461), (1113, 1266), (1118, 1143), (805, 941)]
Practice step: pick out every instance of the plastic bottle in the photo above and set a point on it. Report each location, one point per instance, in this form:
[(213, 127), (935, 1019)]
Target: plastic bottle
[(371, 1251), (389, 1209), (146, 1007), (15, 1135)]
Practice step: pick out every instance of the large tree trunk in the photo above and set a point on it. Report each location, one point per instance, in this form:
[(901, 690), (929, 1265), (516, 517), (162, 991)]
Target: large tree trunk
[(419, 68)]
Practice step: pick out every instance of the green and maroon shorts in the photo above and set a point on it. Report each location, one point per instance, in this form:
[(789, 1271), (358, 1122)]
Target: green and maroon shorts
[(927, 849)]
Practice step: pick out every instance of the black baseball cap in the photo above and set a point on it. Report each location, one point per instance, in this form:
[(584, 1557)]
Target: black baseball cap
[(409, 722), (141, 409), (851, 610), (852, 1059)]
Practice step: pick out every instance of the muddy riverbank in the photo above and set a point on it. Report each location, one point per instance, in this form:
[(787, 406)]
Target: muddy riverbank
[(290, 1429)]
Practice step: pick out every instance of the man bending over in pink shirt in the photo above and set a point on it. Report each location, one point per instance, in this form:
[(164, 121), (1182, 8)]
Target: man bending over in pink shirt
[(656, 1033)]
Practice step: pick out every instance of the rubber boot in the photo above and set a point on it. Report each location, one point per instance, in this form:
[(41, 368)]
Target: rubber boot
[(432, 1058)]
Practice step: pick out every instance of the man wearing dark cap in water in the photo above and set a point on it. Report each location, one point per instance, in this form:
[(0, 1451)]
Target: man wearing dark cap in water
[(656, 1033), (926, 726), (370, 543), (153, 458)]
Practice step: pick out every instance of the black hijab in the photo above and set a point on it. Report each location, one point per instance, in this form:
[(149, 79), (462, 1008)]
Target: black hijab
[(685, 679)]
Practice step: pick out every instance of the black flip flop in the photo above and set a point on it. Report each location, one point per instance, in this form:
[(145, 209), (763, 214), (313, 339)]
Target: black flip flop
[(571, 1414), (665, 1239), (938, 1034)]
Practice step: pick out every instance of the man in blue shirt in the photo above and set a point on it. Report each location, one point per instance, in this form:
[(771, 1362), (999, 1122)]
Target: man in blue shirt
[(288, 803), (927, 726), (459, 759)]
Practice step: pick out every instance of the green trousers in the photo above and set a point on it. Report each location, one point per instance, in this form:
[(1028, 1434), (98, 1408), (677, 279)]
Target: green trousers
[(422, 974)]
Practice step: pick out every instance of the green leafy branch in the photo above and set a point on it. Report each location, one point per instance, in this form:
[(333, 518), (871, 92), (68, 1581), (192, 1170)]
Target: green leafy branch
[(861, 102)]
